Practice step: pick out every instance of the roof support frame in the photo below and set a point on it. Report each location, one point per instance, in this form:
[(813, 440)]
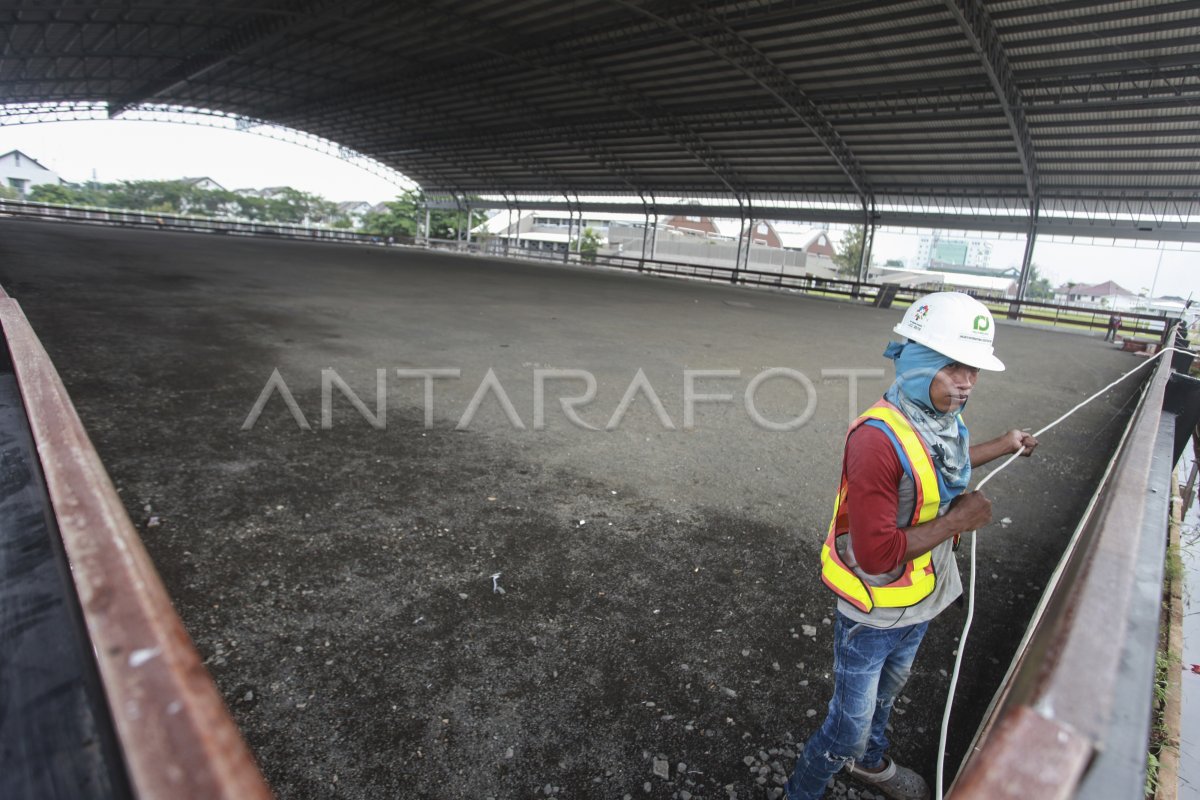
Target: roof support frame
[(616, 92), (977, 26), (256, 33), (576, 136), (714, 34)]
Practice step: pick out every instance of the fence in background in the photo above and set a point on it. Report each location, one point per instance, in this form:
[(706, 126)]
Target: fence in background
[(1133, 324)]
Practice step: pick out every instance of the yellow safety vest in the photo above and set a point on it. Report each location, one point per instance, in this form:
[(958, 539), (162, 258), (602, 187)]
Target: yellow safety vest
[(918, 579)]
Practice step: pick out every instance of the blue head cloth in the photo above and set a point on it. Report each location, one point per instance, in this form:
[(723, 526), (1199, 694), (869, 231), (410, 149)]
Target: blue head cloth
[(943, 431), (916, 365)]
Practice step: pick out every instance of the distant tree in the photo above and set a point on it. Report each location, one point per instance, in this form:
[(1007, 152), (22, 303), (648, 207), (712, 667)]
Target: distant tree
[(849, 252), (407, 212), (588, 244), (54, 193), (251, 207), (290, 206), (893, 262), (9, 193), (1039, 287), (447, 224), (167, 197), (399, 219)]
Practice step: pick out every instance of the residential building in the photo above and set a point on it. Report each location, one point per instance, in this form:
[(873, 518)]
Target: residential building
[(205, 183), (355, 210), (21, 172), (682, 238), (691, 225), (265, 194), (1107, 295), (993, 285)]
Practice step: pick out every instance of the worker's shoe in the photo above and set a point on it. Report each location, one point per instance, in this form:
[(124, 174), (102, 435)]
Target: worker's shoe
[(895, 781)]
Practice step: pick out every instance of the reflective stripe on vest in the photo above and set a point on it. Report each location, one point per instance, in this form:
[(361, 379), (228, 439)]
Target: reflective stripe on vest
[(917, 580)]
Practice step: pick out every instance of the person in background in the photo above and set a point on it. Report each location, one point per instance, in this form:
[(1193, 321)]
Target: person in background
[(1114, 325)]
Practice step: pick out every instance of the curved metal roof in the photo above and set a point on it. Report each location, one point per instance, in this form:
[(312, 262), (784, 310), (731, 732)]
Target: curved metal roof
[(1008, 101)]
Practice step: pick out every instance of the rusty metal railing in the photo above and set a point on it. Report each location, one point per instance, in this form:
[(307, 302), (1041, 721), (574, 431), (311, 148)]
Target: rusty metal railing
[(1072, 717), (173, 735)]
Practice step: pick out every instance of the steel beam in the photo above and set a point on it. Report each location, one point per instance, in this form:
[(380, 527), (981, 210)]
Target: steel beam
[(258, 32), (975, 23), (595, 81), (712, 33)]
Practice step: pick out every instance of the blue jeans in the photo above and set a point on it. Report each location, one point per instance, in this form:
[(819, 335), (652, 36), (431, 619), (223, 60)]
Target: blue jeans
[(870, 667)]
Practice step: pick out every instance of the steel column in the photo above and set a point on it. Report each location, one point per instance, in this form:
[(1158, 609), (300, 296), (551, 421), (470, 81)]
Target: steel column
[(654, 233), (508, 231), (1027, 259), (864, 255), (570, 227), (645, 234), (737, 258)]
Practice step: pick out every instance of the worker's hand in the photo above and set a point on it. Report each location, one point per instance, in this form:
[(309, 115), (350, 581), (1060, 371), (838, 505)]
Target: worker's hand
[(1018, 439), (971, 510)]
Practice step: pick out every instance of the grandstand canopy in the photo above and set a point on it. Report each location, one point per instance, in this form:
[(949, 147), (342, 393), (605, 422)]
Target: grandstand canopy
[(974, 110)]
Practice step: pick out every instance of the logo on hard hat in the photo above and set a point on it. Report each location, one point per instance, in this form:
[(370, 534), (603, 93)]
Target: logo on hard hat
[(982, 323), (922, 312)]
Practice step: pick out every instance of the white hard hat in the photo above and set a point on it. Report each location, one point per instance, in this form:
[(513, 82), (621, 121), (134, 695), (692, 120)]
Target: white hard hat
[(956, 325)]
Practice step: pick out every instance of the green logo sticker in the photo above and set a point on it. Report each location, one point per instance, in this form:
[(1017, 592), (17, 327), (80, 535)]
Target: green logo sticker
[(982, 323)]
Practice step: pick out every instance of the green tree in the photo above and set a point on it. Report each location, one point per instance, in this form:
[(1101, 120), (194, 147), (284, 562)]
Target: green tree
[(250, 207), (1039, 286), (407, 212), (9, 193), (447, 224), (588, 244), (295, 207), (398, 220), (53, 193), (168, 197), (849, 252)]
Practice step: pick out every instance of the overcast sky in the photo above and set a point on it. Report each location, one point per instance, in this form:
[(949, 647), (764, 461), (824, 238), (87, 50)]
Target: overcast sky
[(124, 150)]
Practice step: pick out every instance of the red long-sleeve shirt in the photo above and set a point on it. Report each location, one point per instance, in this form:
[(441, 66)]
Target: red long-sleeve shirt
[(873, 474)]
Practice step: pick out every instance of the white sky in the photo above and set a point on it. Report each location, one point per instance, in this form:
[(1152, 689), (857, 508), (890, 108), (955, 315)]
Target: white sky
[(129, 150), (116, 150)]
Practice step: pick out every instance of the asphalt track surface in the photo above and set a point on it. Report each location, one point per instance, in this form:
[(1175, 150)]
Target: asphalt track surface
[(656, 581)]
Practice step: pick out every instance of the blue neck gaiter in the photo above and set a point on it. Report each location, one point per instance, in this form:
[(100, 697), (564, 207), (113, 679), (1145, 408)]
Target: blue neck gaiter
[(942, 431)]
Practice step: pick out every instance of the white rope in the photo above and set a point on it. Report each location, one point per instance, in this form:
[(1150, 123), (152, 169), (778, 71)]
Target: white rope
[(962, 642)]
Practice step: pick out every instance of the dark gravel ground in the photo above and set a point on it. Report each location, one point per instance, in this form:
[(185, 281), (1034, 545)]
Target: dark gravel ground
[(656, 582)]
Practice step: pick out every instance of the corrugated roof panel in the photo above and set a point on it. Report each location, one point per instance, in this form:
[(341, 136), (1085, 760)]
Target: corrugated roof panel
[(519, 93)]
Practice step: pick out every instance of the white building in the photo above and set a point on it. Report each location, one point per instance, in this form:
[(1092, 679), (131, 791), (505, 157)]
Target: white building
[(550, 230), (265, 194), (936, 280), (940, 249), (19, 171), (1109, 294), (355, 211), (690, 239), (205, 183)]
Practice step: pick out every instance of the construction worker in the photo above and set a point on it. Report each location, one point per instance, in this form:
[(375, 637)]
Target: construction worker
[(888, 554)]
